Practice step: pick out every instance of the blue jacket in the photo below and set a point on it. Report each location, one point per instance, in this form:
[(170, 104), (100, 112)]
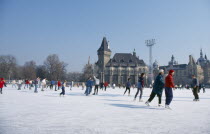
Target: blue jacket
[(52, 82), (128, 84), (195, 82), (158, 85), (89, 83)]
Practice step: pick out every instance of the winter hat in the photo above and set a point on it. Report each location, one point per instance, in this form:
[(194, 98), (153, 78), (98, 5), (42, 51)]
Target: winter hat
[(171, 71), (161, 71)]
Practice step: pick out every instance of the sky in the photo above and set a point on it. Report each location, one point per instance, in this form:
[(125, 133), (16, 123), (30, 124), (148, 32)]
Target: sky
[(74, 29)]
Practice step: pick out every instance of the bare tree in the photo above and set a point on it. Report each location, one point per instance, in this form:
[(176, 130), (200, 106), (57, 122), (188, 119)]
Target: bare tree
[(41, 71), (55, 68), (8, 65), (73, 76), (29, 70), (87, 72)]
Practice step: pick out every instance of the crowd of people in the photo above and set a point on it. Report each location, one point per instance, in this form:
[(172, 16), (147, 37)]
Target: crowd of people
[(157, 88)]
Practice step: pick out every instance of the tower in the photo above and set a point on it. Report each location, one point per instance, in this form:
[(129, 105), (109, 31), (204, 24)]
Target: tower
[(104, 54), (150, 44)]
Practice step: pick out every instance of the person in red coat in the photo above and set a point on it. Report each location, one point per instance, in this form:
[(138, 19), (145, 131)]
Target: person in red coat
[(105, 85), (59, 84), (1, 84), (169, 84)]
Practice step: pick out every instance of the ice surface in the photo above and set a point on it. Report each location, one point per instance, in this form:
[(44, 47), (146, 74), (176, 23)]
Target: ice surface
[(24, 112)]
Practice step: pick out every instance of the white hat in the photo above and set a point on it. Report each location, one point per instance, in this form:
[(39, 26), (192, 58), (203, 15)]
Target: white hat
[(161, 71)]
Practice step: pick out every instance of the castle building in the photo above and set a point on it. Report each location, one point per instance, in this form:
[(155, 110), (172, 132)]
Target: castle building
[(119, 68), (183, 72)]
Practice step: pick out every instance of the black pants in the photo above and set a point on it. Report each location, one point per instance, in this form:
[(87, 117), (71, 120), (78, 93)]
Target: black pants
[(63, 91), (1, 90), (105, 88), (51, 86), (141, 92), (195, 92), (96, 89), (152, 96), (129, 90), (204, 90)]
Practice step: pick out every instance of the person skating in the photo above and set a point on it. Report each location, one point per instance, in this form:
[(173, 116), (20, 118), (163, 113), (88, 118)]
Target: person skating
[(89, 85), (43, 84), (195, 87), (97, 82), (140, 87), (20, 84), (71, 85), (63, 85), (13, 83), (36, 82), (102, 85), (169, 84), (1, 85), (203, 86), (56, 84), (128, 87), (52, 83), (157, 88), (59, 84), (105, 85)]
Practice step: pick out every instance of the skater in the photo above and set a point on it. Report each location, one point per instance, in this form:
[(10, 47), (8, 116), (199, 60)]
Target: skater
[(36, 82), (114, 86), (30, 84), (19, 84), (1, 85), (102, 85), (96, 85), (128, 87), (13, 83), (63, 85), (195, 87), (169, 84), (59, 84), (39, 83), (140, 87), (83, 85), (105, 85), (52, 82), (203, 86), (157, 88), (89, 85), (71, 85), (56, 84), (26, 83), (43, 84)]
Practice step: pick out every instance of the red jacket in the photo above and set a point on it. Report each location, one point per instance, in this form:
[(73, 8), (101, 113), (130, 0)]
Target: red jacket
[(1, 84), (59, 83), (27, 82), (169, 81), (106, 84)]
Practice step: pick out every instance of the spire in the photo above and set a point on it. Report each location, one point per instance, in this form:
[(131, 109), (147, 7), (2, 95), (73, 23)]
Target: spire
[(104, 45), (89, 60), (191, 60), (134, 52), (172, 58), (201, 53), (206, 57)]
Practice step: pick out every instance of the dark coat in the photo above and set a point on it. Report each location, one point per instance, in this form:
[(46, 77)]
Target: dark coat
[(158, 85)]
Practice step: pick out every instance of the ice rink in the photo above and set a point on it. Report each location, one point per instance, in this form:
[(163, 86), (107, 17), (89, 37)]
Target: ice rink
[(24, 112)]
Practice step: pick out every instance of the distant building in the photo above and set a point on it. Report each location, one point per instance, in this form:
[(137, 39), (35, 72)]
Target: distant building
[(183, 72), (119, 68)]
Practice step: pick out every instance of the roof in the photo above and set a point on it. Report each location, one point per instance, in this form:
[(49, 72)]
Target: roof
[(104, 45), (125, 59), (175, 67)]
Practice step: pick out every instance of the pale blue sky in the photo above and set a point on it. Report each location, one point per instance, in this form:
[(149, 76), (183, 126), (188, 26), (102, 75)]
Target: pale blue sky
[(73, 29)]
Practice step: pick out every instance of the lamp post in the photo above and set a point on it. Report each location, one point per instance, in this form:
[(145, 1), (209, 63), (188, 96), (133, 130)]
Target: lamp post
[(150, 43)]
